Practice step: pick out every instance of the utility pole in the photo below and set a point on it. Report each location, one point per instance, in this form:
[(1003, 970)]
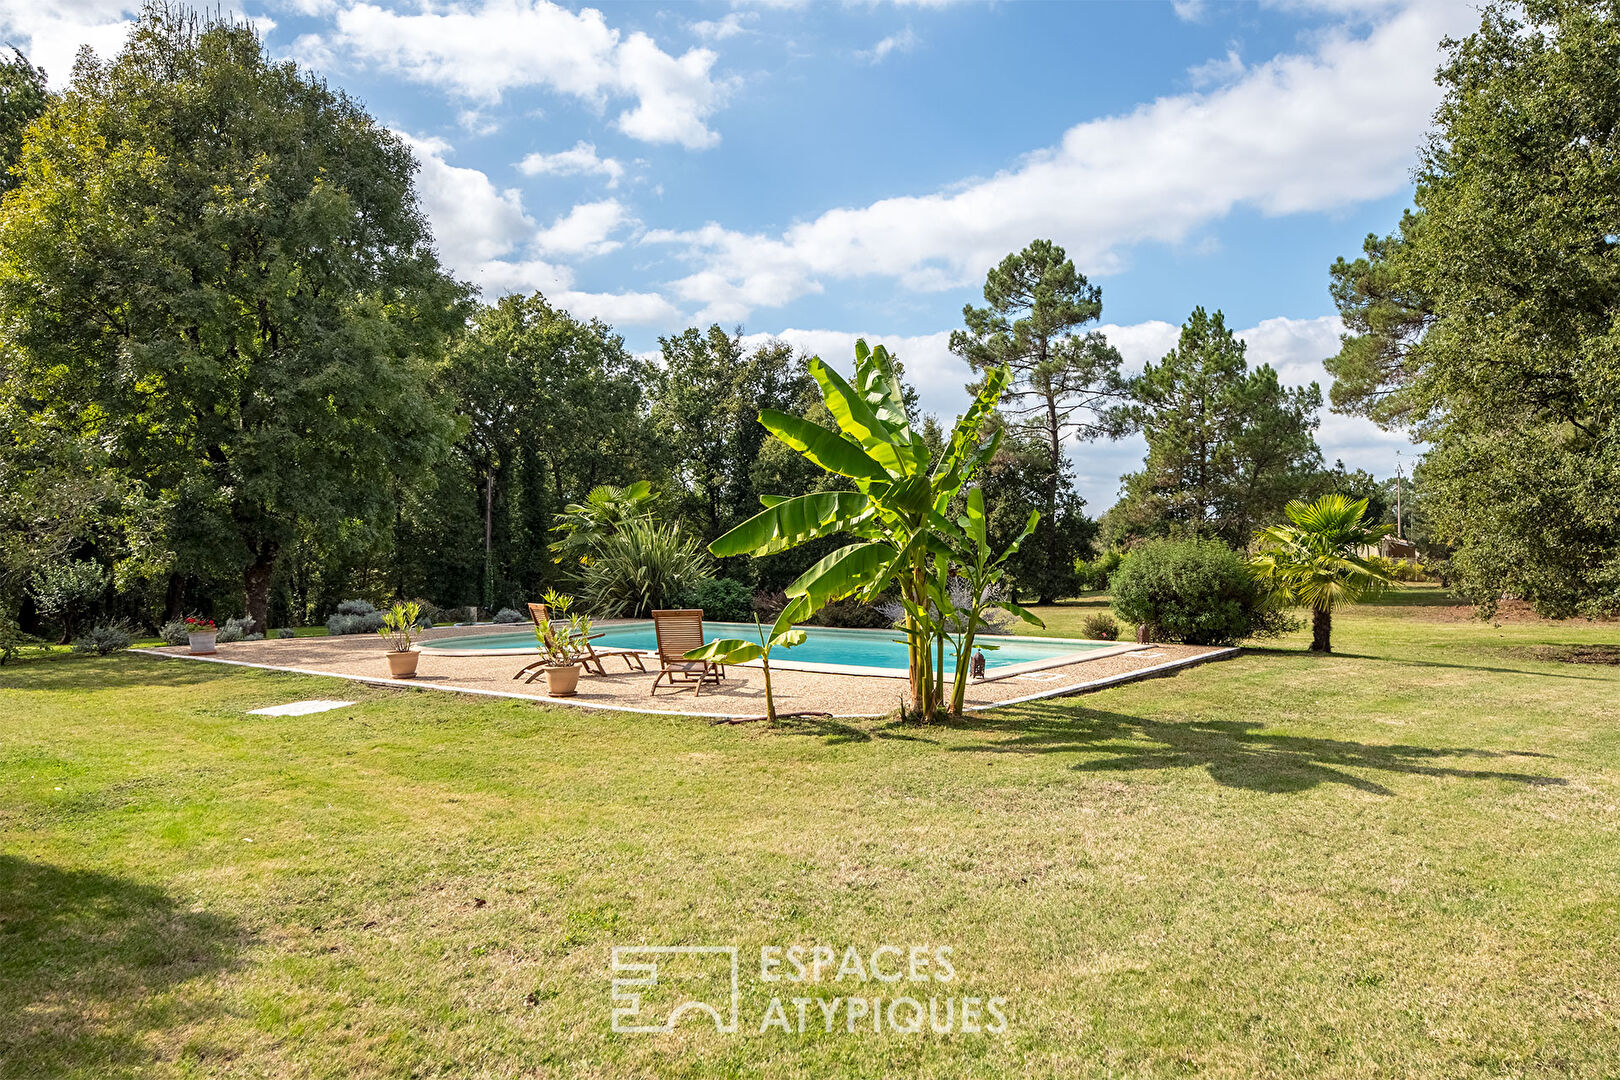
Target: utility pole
[(1399, 477)]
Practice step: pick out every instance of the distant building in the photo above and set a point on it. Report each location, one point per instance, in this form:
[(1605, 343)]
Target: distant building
[(1391, 548)]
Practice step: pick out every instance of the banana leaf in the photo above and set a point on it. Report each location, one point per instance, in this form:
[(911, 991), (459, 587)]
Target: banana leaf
[(828, 449), (793, 521)]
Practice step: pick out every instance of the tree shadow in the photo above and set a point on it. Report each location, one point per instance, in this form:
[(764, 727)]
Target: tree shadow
[(81, 954), (835, 732), (1273, 651), (1235, 753), (68, 672)]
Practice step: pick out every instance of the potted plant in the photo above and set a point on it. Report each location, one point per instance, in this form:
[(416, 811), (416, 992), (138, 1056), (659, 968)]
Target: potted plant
[(201, 635), (399, 630), (563, 643)]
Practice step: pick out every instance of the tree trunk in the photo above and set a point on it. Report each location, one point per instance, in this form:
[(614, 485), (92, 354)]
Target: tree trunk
[(489, 538), (256, 586), (174, 600), (1321, 630)]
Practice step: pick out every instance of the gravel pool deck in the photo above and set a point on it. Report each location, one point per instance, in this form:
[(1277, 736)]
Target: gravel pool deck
[(741, 695)]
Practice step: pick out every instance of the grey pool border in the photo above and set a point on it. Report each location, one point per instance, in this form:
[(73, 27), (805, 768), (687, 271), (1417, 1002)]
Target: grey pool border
[(1153, 670), (993, 675)]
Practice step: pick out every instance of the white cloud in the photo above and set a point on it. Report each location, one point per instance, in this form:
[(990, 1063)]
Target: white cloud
[(1294, 347), (472, 221), (580, 161), (485, 236), (1297, 133), (720, 29), (902, 42), (1190, 10), (584, 230), (1217, 71), (497, 278), (482, 50), (50, 33)]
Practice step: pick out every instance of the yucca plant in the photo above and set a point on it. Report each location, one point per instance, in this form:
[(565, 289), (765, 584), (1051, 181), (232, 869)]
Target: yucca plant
[(897, 510), (642, 566), (1316, 561)]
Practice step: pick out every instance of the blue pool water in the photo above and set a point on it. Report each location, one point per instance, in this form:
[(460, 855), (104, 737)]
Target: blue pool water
[(823, 645)]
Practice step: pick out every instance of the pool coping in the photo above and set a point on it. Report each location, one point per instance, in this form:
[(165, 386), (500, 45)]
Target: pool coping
[(991, 674), (1072, 689)]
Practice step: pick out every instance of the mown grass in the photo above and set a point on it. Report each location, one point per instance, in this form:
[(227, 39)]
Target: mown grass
[(1395, 861)]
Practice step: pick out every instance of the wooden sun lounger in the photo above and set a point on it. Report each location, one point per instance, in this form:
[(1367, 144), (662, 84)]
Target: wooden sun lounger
[(679, 632), (540, 615)]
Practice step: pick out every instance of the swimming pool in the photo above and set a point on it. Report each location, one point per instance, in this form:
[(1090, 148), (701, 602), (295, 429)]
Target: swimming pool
[(855, 652)]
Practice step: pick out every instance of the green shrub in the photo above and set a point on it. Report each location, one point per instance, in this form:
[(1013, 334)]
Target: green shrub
[(237, 630), (1197, 592), (1095, 575), (853, 614), (175, 632), (102, 640), (286, 632), (1100, 626), (643, 566), (507, 616), (344, 623), (356, 607), (722, 600), (12, 640)]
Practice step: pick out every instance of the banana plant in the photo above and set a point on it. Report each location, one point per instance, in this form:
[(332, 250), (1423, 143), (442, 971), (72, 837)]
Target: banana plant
[(897, 511), (979, 574), (783, 635)]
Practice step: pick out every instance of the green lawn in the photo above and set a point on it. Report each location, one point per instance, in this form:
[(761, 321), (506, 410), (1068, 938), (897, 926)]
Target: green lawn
[(1400, 861)]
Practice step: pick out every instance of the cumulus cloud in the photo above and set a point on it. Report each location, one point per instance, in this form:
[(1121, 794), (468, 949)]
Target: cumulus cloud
[(472, 220), (498, 277), (1297, 133), (579, 161), (485, 236), (51, 33), (1294, 347), (587, 229), (480, 51)]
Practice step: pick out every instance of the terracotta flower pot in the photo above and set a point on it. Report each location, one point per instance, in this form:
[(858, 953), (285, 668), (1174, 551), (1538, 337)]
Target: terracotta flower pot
[(202, 642), (402, 665), (562, 681)]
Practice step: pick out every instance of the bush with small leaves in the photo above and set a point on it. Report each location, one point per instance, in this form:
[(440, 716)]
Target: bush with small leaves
[(356, 607), (104, 639), (722, 600), (1100, 626), (175, 632), (363, 623), (233, 630), (1199, 592), (286, 632), (853, 614), (510, 615)]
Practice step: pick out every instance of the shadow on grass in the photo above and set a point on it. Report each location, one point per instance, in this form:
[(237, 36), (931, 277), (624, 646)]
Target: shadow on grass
[(69, 672), (81, 954), (1235, 753), (1263, 650)]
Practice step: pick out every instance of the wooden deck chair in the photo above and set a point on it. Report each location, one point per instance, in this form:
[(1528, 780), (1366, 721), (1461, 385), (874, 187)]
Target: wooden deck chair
[(540, 615), (679, 632)]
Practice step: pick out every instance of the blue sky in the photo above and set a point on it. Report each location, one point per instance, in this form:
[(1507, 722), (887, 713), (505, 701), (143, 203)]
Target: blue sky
[(818, 171)]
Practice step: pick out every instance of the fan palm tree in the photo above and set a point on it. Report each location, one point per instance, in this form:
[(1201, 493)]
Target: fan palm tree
[(605, 511), (1317, 560)]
